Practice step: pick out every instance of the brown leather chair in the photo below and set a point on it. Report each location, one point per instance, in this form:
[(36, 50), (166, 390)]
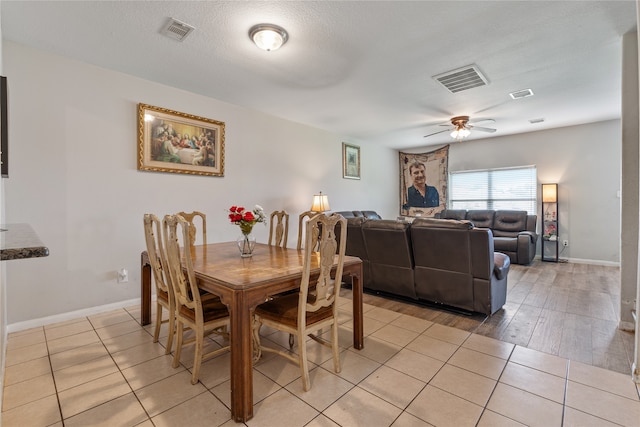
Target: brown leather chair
[(388, 246), (514, 234)]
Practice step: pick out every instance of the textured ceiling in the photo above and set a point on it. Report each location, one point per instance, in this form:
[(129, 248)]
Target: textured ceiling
[(360, 69)]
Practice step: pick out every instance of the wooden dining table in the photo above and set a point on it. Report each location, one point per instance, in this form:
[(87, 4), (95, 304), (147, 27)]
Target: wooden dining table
[(243, 284)]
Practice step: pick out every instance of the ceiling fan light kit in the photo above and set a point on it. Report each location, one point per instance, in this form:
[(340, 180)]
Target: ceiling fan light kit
[(461, 127)]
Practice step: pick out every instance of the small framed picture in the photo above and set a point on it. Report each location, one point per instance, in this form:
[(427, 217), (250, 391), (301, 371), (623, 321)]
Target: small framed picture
[(170, 141), (350, 161)]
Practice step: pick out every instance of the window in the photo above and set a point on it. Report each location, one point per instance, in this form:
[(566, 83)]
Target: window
[(509, 188)]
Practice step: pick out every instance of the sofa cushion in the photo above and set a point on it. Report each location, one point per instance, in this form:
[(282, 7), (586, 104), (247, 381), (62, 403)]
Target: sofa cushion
[(453, 214), (509, 223), (505, 244), (481, 218), (371, 215), (360, 214), (443, 223)]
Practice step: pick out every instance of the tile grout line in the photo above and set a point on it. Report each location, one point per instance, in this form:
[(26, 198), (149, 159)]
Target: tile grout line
[(53, 377)]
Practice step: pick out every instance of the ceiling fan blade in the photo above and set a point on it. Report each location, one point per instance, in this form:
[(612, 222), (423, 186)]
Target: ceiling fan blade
[(478, 121), (481, 129), (435, 133)]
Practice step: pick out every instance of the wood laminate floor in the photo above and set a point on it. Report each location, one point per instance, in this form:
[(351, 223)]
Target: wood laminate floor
[(564, 309)]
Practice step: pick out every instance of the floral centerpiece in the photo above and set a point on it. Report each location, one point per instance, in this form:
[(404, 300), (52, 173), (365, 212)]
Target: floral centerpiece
[(246, 219)]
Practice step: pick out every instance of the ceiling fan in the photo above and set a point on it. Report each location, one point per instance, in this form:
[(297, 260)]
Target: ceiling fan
[(460, 127)]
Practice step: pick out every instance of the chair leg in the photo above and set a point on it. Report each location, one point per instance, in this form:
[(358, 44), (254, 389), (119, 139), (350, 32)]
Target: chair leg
[(335, 348), (304, 364), (176, 356), (156, 332), (172, 326), (197, 357)]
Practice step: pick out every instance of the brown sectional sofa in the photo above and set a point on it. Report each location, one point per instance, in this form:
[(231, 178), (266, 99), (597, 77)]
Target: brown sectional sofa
[(514, 232), (447, 262)]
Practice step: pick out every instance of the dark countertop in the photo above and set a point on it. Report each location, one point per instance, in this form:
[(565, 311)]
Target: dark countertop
[(19, 241)]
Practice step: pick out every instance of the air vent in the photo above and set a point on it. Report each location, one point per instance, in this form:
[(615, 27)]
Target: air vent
[(462, 79), (521, 94), (176, 29)]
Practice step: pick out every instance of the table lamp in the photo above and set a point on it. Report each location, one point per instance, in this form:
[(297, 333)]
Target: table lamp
[(320, 203)]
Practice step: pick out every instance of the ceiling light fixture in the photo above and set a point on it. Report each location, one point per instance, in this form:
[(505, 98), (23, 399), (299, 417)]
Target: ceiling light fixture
[(268, 36)]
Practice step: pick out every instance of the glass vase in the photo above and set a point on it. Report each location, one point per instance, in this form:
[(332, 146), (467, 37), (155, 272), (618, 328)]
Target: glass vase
[(246, 243)]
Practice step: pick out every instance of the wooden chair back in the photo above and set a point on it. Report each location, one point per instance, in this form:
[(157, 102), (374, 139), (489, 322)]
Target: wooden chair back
[(191, 218), (278, 228), (330, 250), (156, 252), (176, 230), (302, 220)]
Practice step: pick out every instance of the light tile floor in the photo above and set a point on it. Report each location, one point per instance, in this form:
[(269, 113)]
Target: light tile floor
[(105, 370)]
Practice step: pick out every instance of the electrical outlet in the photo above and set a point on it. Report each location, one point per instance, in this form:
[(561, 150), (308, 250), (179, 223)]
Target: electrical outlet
[(565, 243), (123, 275)]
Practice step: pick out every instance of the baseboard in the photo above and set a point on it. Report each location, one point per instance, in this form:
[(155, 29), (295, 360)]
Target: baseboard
[(594, 262), (62, 317), (586, 261)]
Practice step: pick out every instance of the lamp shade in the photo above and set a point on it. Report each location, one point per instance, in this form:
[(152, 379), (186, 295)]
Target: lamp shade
[(549, 193), (320, 203)]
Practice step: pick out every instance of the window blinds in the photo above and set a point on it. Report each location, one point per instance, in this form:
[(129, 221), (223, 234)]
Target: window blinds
[(510, 188)]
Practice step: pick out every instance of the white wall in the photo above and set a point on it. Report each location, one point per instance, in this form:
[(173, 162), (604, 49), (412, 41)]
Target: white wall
[(74, 178), (584, 161)]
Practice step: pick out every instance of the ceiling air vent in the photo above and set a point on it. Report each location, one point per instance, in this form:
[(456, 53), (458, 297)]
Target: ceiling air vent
[(176, 29), (521, 94), (462, 79)]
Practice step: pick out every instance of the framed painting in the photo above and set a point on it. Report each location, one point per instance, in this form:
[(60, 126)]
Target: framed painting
[(423, 182), (350, 161), (174, 142)]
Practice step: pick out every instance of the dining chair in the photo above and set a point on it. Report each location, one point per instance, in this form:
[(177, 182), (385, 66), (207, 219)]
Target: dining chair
[(302, 219), (164, 294), (202, 316), (279, 228), (311, 309), (191, 218)]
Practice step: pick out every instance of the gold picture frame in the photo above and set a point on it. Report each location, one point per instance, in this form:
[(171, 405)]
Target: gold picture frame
[(350, 161), (175, 142)]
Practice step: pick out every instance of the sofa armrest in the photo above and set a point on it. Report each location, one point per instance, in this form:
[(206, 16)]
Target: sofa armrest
[(526, 247), (501, 263), (532, 236)]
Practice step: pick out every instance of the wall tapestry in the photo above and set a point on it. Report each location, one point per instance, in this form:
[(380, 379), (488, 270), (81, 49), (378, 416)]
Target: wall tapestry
[(423, 182)]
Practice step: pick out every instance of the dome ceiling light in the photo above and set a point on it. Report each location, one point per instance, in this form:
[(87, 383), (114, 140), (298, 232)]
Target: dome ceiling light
[(268, 36)]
